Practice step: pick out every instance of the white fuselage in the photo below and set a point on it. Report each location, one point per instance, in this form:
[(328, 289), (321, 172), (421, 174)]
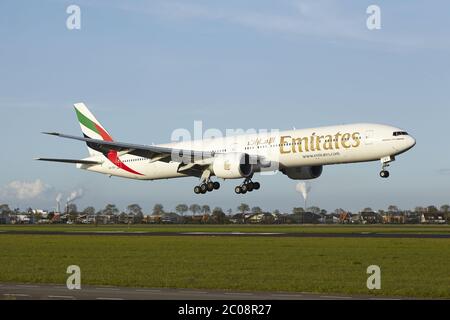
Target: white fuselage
[(294, 148)]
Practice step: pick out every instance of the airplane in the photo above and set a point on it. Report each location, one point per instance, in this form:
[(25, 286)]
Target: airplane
[(298, 154)]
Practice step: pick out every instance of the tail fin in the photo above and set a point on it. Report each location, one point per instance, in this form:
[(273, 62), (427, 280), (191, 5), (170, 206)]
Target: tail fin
[(90, 126)]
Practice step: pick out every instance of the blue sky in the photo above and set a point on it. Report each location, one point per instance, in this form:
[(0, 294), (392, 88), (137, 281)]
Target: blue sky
[(146, 68)]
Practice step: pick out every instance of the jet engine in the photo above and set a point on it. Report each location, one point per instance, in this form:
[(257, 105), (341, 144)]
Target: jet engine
[(303, 173), (232, 166)]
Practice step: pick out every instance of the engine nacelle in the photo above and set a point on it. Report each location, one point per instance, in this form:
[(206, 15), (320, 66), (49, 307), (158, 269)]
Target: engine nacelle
[(232, 166), (303, 173)]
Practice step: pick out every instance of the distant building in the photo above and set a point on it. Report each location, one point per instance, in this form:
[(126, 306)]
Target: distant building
[(20, 219), (263, 217), (370, 217), (394, 218), (433, 218), (5, 219), (306, 218)]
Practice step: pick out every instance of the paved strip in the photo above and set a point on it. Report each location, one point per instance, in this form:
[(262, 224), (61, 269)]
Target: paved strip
[(27, 286), (234, 234), (16, 294), (52, 292)]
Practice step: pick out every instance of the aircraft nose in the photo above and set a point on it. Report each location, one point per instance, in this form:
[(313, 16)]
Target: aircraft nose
[(411, 142)]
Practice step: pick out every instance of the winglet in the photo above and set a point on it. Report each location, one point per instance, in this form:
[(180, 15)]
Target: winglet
[(52, 133)]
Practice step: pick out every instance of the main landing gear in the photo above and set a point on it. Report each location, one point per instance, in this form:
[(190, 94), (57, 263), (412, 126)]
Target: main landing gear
[(384, 164), (206, 187), (247, 185)]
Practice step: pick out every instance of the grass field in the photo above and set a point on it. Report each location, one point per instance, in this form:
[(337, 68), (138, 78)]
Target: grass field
[(238, 228), (409, 267)]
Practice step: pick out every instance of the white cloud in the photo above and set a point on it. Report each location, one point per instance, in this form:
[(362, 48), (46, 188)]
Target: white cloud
[(23, 190)]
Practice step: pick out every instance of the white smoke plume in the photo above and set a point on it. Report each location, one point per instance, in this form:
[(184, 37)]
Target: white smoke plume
[(74, 195), (303, 188), (24, 190), (59, 197)]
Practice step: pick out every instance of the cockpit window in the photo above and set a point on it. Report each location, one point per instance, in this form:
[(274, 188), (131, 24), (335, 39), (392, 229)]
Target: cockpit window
[(400, 133)]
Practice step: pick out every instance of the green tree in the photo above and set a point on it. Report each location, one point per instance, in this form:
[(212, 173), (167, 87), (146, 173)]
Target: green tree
[(256, 210), (393, 208), (90, 211), (72, 208), (206, 209), (50, 216), (432, 209), (136, 211), (297, 210), (243, 208), (110, 210), (276, 211), (368, 209), (123, 217), (181, 209), (446, 210), (158, 209), (194, 208), (419, 209), (315, 210), (4, 209), (218, 215)]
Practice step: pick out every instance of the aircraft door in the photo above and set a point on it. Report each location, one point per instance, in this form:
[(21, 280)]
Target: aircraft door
[(369, 137)]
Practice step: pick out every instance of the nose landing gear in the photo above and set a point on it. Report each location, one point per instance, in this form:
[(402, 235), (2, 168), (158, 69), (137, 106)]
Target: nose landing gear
[(384, 164), (384, 174)]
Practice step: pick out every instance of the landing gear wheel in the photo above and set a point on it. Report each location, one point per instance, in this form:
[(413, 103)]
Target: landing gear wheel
[(384, 174), (216, 185), (250, 187), (256, 185), (197, 190), (244, 188), (204, 188), (238, 189), (210, 186)]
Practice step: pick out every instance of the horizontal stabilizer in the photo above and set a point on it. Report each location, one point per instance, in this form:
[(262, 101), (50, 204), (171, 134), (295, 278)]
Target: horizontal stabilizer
[(89, 162)]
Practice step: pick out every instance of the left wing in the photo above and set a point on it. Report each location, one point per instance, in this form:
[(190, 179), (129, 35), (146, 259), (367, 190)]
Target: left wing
[(191, 161), (87, 162), (154, 153)]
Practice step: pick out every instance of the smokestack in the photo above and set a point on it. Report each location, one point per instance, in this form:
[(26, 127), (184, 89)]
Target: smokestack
[(74, 195)]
